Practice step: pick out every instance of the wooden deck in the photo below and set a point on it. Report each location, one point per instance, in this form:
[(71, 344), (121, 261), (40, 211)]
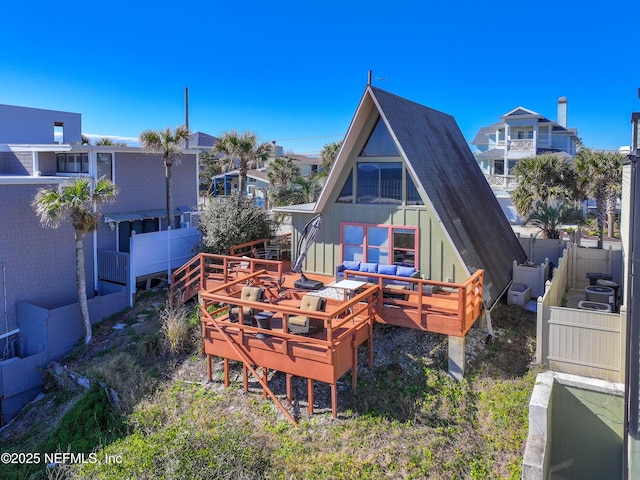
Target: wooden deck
[(348, 319)]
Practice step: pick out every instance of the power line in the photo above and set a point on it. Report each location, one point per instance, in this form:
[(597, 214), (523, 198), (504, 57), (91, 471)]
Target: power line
[(308, 138)]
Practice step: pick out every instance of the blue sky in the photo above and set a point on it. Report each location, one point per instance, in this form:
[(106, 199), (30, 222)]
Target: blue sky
[(294, 71)]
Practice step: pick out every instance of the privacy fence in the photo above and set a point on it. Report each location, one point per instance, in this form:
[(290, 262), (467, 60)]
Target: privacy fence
[(576, 341)]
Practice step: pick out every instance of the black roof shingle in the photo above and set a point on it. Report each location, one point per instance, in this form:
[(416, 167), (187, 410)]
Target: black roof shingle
[(470, 213)]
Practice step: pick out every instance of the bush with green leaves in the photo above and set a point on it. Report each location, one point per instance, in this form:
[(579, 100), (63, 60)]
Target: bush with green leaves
[(232, 221)]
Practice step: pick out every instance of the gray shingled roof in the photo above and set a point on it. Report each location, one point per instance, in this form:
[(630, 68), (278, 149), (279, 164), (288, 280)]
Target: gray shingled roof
[(493, 153), (482, 137), (201, 140), (437, 151)]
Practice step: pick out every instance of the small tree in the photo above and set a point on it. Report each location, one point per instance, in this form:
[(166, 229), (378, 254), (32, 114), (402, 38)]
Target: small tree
[(281, 172), (233, 220), (210, 167), (549, 216), (108, 142), (168, 144), (80, 202)]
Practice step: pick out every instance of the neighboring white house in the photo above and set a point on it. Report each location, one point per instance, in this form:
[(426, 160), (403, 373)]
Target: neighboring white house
[(520, 133)]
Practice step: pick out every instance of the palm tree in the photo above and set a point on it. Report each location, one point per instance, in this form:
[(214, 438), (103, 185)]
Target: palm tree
[(548, 217), (600, 176), (80, 202), (302, 190), (545, 178), (328, 155), (108, 142), (281, 172), (168, 144), (244, 149)]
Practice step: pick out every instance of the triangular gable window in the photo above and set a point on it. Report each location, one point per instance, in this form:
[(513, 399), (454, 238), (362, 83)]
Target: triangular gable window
[(380, 143), (520, 111), (346, 195)]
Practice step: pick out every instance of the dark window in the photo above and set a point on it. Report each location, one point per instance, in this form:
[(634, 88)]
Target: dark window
[(105, 162), (379, 183), (380, 143), (72, 162), (404, 247), (413, 197), (126, 229)]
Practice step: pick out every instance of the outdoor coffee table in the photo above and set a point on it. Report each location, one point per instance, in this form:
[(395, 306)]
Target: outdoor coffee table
[(349, 287), (263, 320)]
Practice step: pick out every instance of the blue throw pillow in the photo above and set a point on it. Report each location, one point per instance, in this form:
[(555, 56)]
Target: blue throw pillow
[(369, 267), (351, 265), (387, 269), (405, 271)]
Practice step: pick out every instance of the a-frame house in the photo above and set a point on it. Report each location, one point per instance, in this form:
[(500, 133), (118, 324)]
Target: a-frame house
[(405, 183)]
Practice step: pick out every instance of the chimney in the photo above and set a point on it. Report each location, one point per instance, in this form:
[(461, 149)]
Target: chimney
[(562, 112)]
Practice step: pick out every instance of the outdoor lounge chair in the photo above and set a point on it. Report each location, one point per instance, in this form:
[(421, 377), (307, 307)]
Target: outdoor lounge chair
[(253, 294), (302, 324)]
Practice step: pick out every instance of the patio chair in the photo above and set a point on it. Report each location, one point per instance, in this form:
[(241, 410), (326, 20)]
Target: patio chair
[(255, 253), (304, 325), (253, 294)]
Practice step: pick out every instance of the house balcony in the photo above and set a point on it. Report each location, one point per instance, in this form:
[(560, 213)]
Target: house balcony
[(525, 145), (502, 182)]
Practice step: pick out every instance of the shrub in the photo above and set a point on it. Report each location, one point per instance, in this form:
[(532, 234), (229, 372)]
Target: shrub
[(233, 221)]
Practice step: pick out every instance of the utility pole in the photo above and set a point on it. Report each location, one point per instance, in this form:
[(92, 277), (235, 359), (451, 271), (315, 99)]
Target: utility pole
[(186, 113)]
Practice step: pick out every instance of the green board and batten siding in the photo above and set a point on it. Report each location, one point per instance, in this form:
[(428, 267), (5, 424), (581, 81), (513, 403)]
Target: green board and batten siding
[(437, 259)]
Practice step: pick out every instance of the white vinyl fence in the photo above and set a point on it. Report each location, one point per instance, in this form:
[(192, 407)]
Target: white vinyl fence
[(160, 252), (581, 342)]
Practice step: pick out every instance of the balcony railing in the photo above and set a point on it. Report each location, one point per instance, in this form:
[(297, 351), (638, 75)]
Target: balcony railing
[(521, 145), (503, 181)]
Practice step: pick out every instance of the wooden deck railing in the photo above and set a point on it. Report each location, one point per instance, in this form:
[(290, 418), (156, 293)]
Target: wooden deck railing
[(246, 248), (193, 276), (324, 357), (451, 309), (348, 322)]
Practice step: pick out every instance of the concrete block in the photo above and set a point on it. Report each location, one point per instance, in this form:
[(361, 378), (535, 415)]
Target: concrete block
[(456, 357)]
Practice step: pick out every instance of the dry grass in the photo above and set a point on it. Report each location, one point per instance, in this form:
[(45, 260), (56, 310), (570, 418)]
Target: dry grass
[(177, 330)]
